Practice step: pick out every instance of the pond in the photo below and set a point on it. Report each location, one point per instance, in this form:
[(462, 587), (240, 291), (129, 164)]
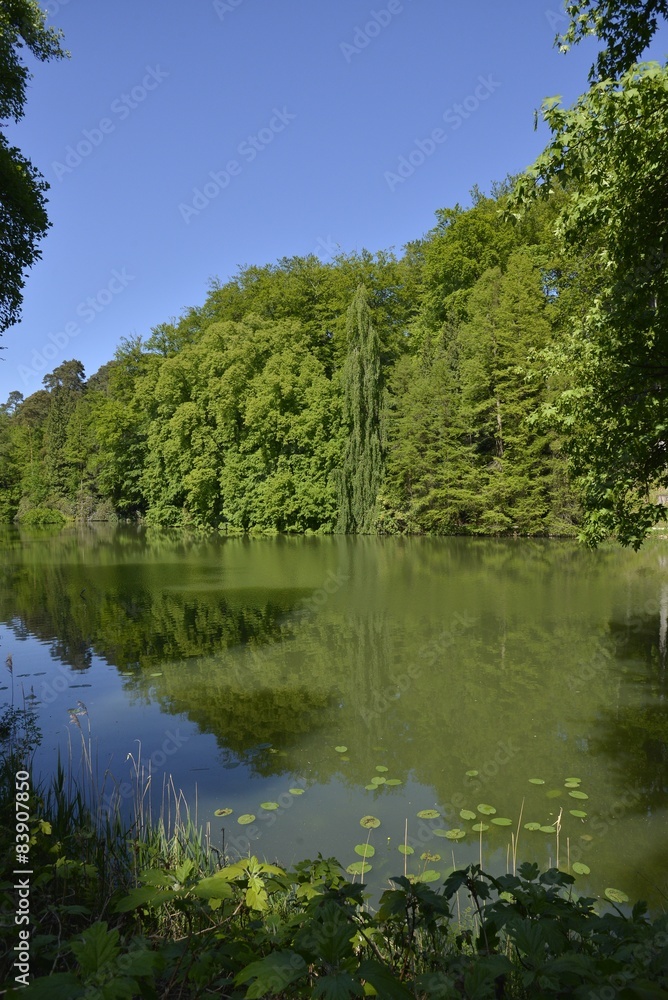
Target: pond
[(311, 682)]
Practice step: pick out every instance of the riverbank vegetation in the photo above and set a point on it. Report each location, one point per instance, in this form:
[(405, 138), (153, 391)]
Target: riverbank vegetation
[(152, 907)]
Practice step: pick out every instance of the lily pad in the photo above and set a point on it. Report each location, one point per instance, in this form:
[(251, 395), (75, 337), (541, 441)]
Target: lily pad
[(553, 793), (358, 868), (382, 768), (466, 814), (405, 849), (502, 821), (536, 781), (246, 819), (269, 805), (578, 813), (394, 781), (580, 869), (429, 814), (378, 780), (572, 783), (341, 749), (547, 829), (578, 795), (485, 809), (223, 812), (369, 822), (371, 788), (455, 834), (480, 827), (471, 774), (427, 856), (573, 779), (532, 826), (296, 791), (428, 876), (365, 850), (616, 896)]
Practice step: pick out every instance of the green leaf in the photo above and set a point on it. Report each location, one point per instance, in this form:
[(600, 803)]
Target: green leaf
[(98, 947), (387, 986), (213, 887), (272, 974)]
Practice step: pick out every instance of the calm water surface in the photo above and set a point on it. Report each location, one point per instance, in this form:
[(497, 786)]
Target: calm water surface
[(243, 668)]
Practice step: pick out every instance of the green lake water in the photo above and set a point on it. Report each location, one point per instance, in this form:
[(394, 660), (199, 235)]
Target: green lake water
[(246, 667)]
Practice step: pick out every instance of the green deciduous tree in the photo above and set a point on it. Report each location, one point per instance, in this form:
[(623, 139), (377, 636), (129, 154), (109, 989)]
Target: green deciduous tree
[(23, 219), (611, 152), (626, 27)]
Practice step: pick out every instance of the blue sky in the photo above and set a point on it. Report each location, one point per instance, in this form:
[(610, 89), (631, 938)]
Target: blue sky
[(184, 140)]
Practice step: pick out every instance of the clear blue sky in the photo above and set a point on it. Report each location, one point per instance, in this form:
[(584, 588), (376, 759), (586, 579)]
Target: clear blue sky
[(312, 102)]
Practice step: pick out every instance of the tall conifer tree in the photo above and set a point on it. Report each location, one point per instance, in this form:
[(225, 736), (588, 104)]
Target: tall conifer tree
[(362, 470)]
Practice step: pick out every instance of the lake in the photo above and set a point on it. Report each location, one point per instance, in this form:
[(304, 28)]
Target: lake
[(336, 678)]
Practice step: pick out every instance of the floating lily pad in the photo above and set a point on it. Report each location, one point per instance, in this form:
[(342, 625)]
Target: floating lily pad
[(466, 814), (378, 780), (471, 774), (158, 673), (358, 868), (366, 850), (394, 781), (455, 834), (296, 791), (369, 822), (502, 821), (578, 795), (573, 779), (427, 856), (382, 768), (480, 827), (341, 749), (405, 849), (616, 896), (440, 833), (428, 814), (572, 783), (547, 829), (532, 826), (536, 781), (371, 788), (269, 805), (578, 813), (580, 869), (428, 876), (344, 758), (246, 818), (553, 793), (223, 812), (485, 809)]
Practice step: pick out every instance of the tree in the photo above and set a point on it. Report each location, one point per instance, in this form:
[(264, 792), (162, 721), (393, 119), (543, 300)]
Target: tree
[(610, 152), (23, 218), (625, 26), (362, 468)]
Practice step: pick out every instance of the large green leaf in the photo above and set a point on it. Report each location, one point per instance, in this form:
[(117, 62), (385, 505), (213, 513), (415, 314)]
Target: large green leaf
[(272, 974)]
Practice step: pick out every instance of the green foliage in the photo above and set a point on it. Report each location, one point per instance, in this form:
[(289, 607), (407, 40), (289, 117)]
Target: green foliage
[(626, 27), (362, 467), (611, 153), (23, 219)]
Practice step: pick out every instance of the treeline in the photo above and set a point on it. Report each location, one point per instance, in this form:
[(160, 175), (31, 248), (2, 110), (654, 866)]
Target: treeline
[(367, 393)]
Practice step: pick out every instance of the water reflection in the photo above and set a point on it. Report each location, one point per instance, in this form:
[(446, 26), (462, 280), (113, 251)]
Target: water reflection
[(428, 657)]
